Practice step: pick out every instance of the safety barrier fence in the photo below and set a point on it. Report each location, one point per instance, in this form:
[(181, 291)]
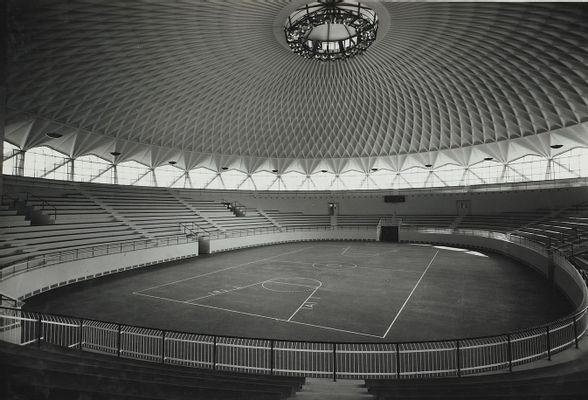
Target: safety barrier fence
[(191, 232), (345, 360), (269, 230), (559, 256), (507, 237), (79, 253)]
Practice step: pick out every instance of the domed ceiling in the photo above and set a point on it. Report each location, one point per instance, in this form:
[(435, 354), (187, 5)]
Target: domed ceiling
[(213, 82)]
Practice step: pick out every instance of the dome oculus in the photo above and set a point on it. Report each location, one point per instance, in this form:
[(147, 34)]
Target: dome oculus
[(331, 29)]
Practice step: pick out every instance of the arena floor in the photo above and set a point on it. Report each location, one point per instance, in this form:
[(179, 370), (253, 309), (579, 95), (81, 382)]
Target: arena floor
[(344, 291)]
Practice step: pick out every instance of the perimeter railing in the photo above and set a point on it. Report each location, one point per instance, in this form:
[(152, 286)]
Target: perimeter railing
[(507, 237), (232, 233), (79, 253), (346, 360)]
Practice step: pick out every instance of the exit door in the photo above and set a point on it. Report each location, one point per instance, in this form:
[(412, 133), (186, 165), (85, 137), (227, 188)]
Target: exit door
[(389, 234)]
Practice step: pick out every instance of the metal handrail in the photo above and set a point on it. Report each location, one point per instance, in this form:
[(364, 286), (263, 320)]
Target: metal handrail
[(11, 199), (27, 197), (193, 229), (459, 356), (43, 203), (507, 237), (214, 235), (84, 252), (298, 357)]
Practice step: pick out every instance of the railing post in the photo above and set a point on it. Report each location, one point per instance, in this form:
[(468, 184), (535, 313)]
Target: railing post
[(214, 353), (80, 334), (548, 343), (397, 361), (575, 331), (39, 331), (458, 359), (334, 362), (163, 347), (509, 352), (118, 340), (272, 356)]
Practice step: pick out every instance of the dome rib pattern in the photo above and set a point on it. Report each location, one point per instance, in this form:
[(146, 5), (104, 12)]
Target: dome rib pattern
[(212, 77)]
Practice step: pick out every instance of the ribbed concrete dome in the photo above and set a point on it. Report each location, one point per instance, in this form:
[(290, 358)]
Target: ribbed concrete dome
[(215, 79)]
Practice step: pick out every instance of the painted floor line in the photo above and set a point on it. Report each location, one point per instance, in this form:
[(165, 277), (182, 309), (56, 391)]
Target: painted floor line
[(225, 291), (260, 316), (224, 269), (292, 284), (304, 302), (410, 295), (295, 262)]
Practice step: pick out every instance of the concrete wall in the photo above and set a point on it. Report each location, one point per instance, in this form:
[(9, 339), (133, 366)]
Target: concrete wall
[(565, 277), (217, 245), (26, 284)]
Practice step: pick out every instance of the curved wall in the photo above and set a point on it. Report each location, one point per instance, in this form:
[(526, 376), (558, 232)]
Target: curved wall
[(29, 283), (563, 275), (25, 284)]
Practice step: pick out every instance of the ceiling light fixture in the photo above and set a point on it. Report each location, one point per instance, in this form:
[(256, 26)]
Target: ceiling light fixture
[(172, 162), (556, 146), (331, 29), (115, 153), (53, 135), (488, 158), (428, 165)]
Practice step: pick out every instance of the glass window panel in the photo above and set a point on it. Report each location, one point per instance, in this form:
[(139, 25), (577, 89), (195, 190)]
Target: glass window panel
[(128, 172), (488, 170), (292, 180), (217, 182), (277, 184), (9, 166), (233, 178), (88, 167), (247, 184), (321, 180), (447, 175), (264, 179), (166, 175), (415, 177), (201, 177), (383, 178), (353, 179), (44, 162)]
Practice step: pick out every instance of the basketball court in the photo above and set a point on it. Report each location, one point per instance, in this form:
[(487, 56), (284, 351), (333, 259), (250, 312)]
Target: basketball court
[(352, 291)]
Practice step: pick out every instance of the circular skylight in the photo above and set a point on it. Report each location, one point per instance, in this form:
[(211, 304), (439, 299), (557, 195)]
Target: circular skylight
[(331, 30)]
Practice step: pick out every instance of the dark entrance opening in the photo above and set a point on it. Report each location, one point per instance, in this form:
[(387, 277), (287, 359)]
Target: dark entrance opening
[(389, 234)]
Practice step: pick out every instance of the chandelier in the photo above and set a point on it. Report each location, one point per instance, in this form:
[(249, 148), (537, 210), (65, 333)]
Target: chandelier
[(331, 29)]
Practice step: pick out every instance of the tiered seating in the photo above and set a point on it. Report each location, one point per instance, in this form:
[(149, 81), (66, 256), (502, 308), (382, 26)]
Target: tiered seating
[(298, 219), (565, 381), (153, 211), (562, 230), (67, 206), (503, 222), (52, 373), (78, 222), (211, 210), (251, 219), (9, 219), (358, 220)]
